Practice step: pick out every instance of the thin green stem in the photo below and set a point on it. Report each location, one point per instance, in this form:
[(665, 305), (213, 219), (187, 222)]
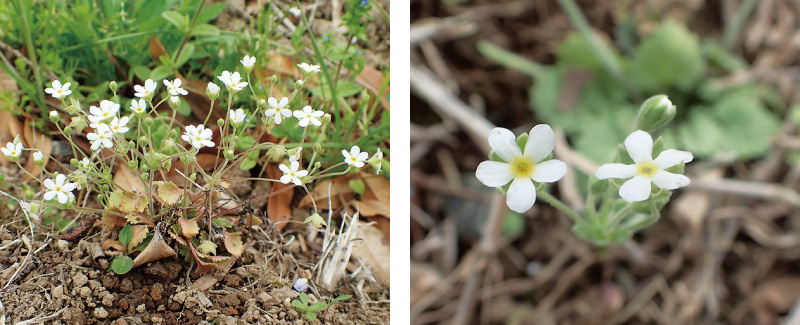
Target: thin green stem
[(560, 206)]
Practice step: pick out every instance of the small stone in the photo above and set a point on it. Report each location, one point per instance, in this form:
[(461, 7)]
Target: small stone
[(84, 292), (292, 314), (180, 297), (119, 321), (108, 299), (94, 285), (251, 315), (157, 291), (126, 285), (264, 297), (79, 280), (100, 313), (62, 245), (161, 308), (58, 292), (141, 308)]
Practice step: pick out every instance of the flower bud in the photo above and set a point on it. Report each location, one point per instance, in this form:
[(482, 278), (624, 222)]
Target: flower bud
[(38, 158), (68, 130), (299, 84), (301, 284), (294, 154), (220, 122), (193, 177), (376, 160), (74, 162), (142, 141), (174, 102), (133, 164), (148, 121), (262, 103), (276, 153), (326, 118), (212, 91), (29, 195), (655, 113), (317, 147), (228, 154), (144, 168), (317, 165), (54, 117), (274, 78), (113, 86)]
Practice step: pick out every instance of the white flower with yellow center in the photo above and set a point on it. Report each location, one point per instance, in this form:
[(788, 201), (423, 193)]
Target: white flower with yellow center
[(292, 173), (147, 91), (232, 81), (248, 62), (237, 117), (645, 169), (308, 68), (60, 188), (59, 90), (12, 150), (139, 107), (520, 168), (175, 88), (308, 115), (198, 136), (278, 109), (355, 157), (107, 110), (101, 138)]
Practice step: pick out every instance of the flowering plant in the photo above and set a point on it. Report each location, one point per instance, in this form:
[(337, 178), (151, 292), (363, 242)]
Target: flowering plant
[(175, 202), (614, 210)]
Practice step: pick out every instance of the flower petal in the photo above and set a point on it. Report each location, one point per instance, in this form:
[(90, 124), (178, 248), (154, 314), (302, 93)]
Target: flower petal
[(672, 157), (493, 173), (49, 195), (541, 142), (49, 184), (615, 171), (636, 189), (521, 195), (549, 171), (504, 144), (62, 197), (640, 146), (284, 168), (285, 179), (60, 179), (670, 181), (272, 102)]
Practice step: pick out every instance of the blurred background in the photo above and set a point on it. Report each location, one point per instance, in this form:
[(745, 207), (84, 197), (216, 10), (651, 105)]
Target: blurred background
[(726, 248)]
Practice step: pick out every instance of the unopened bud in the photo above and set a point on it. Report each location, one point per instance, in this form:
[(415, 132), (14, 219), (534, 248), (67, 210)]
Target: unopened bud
[(113, 86), (317, 147), (142, 141), (220, 122), (276, 153), (54, 117), (326, 118), (228, 154), (148, 121), (262, 103), (174, 102), (655, 113), (299, 84), (274, 78), (212, 91)]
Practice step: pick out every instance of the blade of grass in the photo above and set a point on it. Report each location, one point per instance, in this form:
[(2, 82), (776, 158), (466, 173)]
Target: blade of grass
[(509, 59), (735, 25), (22, 9)]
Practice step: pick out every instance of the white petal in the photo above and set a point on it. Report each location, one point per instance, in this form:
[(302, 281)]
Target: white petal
[(49, 195), (294, 165), (549, 171), (303, 123), (615, 171), (272, 102), (286, 179), (541, 142), (299, 114), (672, 157), (283, 102), (636, 189), (670, 181), (494, 173), (640, 146), (504, 144), (284, 168), (302, 173), (48, 183), (62, 198), (286, 113), (363, 156), (521, 195), (69, 187), (60, 179)]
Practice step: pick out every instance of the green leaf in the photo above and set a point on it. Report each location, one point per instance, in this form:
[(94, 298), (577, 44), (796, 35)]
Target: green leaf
[(357, 185), (222, 222), (205, 29), (318, 306), (340, 298), (245, 142), (299, 305), (576, 51), (125, 235), (311, 316), (670, 57), (208, 247), (247, 164), (121, 264), (175, 19), (185, 54), (160, 72), (210, 12), (304, 298)]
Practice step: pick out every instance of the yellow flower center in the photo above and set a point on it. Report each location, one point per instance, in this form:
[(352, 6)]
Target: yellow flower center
[(647, 169), (522, 167)]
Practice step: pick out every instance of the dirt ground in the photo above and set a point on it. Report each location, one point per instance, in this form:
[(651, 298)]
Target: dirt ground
[(713, 258), (67, 280)]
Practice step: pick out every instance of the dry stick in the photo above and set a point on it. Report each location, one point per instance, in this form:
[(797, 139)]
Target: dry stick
[(759, 190), (430, 88)]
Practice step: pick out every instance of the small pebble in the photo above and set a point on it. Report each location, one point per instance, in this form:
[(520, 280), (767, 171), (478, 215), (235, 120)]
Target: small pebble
[(100, 313), (58, 292), (84, 292)]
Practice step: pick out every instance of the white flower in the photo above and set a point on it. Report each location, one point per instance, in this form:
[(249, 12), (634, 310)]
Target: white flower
[(198, 136), (119, 125), (301, 284), (139, 107), (147, 91), (101, 138), (279, 110), (296, 156), (521, 168), (174, 87), (107, 110), (248, 62), (85, 163), (295, 11), (308, 67), (355, 157), (308, 115), (232, 81), (376, 161), (58, 90), (237, 116), (174, 102), (645, 169), (38, 157), (212, 90), (12, 150), (292, 174), (60, 188)]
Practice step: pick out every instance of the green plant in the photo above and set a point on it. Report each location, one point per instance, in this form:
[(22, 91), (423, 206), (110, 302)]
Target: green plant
[(310, 312)]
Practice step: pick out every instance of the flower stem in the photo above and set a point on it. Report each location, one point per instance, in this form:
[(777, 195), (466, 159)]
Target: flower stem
[(560, 206)]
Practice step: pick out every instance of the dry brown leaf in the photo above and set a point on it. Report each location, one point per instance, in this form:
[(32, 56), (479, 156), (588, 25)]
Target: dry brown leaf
[(113, 221), (372, 208), (115, 244), (167, 192), (339, 190), (139, 233), (155, 250), (233, 243), (372, 79), (157, 49), (279, 209), (382, 224), (374, 251), (207, 281), (35, 140), (127, 180), (189, 228)]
